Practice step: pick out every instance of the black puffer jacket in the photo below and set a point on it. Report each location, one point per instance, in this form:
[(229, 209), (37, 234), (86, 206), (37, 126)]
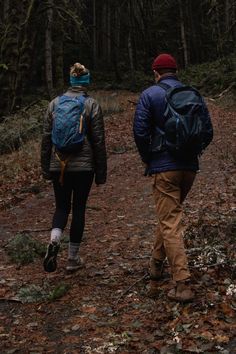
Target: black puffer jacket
[(92, 157)]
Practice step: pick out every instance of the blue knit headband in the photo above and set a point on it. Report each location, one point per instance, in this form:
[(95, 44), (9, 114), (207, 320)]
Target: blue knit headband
[(80, 81)]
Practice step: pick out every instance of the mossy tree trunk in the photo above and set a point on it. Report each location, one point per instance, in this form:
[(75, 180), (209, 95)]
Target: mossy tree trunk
[(48, 49), (10, 55), (182, 6), (15, 52), (130, 41), (116, 42), (26, 43), (58, 55)]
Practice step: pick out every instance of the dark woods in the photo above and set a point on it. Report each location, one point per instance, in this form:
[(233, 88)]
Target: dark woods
[(40, 39)]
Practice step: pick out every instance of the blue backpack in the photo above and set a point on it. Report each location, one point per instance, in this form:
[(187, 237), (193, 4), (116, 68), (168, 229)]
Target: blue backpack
[(185, 131), (69, 125)]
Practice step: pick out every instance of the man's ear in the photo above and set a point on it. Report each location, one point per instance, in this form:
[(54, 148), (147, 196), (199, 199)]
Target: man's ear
[(156, 75)]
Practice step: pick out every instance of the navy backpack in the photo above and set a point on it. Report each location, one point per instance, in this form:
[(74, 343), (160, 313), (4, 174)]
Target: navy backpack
[(185, 131)]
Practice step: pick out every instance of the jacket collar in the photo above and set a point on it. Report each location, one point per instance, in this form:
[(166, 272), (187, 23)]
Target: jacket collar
[(168, 76), (77, 89)]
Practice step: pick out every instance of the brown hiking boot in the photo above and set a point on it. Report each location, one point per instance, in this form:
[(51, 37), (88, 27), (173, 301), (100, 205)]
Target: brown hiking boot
[(181, 292), (154, 289), (156, 269)]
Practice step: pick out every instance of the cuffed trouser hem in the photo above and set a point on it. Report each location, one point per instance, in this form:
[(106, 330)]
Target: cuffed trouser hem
[(157, 259), (181, 277)]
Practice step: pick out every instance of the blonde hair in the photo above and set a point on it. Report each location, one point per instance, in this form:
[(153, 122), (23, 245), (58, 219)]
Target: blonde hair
[(78, 70)]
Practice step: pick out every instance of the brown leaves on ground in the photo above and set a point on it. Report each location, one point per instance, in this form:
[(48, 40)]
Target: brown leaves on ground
[(106, 308)]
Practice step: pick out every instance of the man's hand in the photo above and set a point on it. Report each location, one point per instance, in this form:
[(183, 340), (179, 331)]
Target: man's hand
[(144, 165)]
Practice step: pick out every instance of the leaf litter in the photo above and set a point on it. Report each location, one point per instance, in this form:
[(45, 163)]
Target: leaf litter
[(104, 308)]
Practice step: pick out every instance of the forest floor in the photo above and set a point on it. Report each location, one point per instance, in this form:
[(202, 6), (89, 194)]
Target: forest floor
[(104, 307)]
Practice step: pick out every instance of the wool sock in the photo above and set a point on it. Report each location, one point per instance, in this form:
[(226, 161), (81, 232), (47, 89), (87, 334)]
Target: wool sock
[(73, 250), (56, 234)]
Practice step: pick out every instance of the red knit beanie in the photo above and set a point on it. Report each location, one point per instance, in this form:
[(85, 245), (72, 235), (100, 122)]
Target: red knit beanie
[(164, 61)]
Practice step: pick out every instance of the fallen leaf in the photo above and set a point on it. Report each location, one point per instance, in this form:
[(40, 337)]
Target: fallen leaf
[(221, 338), (89, 309)]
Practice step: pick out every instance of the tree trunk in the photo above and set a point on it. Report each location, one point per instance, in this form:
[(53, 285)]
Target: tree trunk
[(94, 35), (48, 49), (58, 56), (103, 26), (219, 34), (6, 7), (9, 55), (227, 15), (130, 44), (116, 47), (183, 33), (26, 45), (234, 20), (130, 51), (109, 34), (194, 32)]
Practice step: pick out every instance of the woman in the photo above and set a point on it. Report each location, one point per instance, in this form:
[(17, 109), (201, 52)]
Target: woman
[(73, 174)]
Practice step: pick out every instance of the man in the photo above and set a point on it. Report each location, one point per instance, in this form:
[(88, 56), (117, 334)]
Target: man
[(173, 178)]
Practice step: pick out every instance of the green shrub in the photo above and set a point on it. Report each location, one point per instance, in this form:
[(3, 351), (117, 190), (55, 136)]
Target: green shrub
[(23, 249), (133, 81), (109, 102), (211, 78), (21, 127), (59, 291), (34, 293)]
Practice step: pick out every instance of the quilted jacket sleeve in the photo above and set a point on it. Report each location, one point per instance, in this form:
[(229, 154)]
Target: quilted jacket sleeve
[(208, 125), (97, 139), (142, 126), (46, 143)]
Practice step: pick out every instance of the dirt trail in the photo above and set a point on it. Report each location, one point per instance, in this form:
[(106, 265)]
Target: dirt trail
[(106, 309)]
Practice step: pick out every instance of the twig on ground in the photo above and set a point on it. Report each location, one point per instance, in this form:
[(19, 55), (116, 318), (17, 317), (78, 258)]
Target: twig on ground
[(199, 266), (32, 230), (201, 249), (30, 105), (225, 91), (145, 276), (133, 102), (4, 299)]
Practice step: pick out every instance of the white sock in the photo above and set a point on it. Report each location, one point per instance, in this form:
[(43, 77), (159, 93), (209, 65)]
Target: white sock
[(56, 234), (73, 250)]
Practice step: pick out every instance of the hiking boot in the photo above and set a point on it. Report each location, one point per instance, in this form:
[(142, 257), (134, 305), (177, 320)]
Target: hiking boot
[(154, 289), (181, 292), (50, 260), (74, 264), (156, 269)]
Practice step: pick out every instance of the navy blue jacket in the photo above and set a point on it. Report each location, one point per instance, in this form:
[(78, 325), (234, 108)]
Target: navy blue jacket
[(149, 116)]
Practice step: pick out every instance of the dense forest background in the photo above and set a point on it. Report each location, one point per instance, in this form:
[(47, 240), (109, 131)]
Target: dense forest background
[(105, 308), (116, 40)]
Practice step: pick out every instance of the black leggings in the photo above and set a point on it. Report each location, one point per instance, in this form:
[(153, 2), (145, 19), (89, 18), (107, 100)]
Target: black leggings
[(80, 184)]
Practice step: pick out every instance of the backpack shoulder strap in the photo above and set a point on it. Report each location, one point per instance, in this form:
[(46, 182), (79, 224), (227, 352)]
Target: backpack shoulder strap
[(83, 97), (164, 85)]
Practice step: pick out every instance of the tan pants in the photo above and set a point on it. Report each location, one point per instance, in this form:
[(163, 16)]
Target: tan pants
[(170, 189)]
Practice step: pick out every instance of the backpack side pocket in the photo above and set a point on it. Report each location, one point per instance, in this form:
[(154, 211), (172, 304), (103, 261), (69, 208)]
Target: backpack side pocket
[(158, 141)]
